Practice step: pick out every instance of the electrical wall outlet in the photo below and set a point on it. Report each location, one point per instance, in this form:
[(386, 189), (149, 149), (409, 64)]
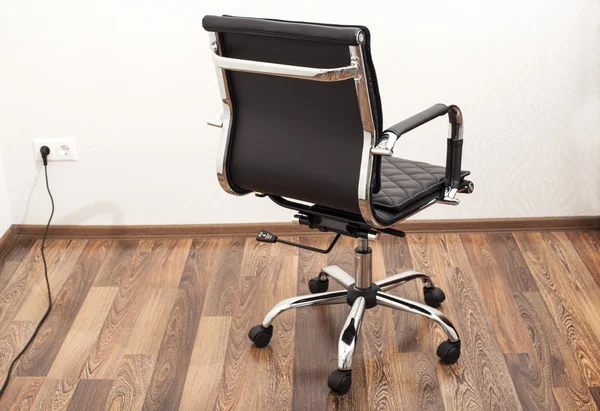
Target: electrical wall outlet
[(61, 149)]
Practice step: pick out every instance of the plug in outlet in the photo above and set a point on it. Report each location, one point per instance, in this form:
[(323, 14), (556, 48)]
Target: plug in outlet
[(61, 149)]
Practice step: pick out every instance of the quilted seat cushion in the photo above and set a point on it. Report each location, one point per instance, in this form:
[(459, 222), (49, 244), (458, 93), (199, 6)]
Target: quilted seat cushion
[(405, 181)]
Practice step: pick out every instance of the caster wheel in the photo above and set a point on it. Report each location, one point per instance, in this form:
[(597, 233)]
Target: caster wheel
[(316, 285), (449, 352), (340, 381), (260, 336), (434, 296)]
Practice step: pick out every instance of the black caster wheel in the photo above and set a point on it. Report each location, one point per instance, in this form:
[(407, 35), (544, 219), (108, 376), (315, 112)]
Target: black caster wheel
[(316, 285), (434, 296), (260, 336), (449, 352), (340, 381)]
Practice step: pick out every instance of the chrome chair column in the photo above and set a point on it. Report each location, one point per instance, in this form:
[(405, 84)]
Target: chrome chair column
[(363, 264)]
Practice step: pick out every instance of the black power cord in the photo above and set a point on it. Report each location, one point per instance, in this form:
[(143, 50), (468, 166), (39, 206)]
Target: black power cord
[(44, 151)]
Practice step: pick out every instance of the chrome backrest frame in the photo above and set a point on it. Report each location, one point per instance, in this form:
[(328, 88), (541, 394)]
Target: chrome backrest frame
[(356, 70), (227, 115), (284, 70), (369, 140)]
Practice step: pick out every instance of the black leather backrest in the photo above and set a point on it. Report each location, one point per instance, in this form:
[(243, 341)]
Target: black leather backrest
[(294, 138)]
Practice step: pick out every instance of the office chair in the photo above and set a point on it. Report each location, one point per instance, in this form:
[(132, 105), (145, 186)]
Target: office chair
[(302, 125)]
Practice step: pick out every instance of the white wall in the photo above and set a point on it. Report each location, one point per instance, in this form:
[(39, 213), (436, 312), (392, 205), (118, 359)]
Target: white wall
[(133, 82), (5, 212)]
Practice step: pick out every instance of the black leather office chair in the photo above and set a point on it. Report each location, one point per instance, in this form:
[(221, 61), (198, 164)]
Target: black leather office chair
[(302, 121)]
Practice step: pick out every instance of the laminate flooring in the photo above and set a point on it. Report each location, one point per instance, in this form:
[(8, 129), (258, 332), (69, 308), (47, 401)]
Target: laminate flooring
[(161, 324)]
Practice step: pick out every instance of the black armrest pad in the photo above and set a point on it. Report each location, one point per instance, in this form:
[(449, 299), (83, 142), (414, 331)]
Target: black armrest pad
[(418, 119)]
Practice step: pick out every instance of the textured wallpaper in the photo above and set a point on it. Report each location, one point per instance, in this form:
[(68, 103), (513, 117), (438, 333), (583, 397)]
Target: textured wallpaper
[(527, 77), (133, 82)]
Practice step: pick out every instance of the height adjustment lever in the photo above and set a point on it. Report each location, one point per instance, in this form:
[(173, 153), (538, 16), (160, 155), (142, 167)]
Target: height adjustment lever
[(265, 236)]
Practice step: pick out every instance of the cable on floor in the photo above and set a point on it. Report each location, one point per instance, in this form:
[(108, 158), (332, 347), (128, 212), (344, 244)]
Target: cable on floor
[(37, 328)]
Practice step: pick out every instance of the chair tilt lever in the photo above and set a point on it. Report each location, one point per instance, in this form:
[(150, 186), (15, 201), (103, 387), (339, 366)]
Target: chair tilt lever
[(265, 236)]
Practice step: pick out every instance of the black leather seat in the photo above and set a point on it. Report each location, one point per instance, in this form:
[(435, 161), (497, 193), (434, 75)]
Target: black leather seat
[(405, 182)]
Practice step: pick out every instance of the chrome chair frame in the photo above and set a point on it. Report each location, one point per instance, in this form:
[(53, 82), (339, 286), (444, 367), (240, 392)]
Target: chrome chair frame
[(361, 282)]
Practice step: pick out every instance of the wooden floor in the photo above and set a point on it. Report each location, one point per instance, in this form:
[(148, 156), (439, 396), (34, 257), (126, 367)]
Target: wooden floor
[(162, 324)]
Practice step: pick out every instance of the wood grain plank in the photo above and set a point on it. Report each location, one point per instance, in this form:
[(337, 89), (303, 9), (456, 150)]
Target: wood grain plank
[(166, 384), (564, 301), (485, 381), (531, 382), (478, 249), (220, 293), (168, 257), (134, 289), (316, 334), (206, 364), (553, 355), (411, 331), (496, 288), (418, 387), (30, 271), (381, 358), (20, 393), (274, 377), (55, 395), (457, 383), (90, 395), (342, 254), (83, 333), (595, 391), (568, 401), (552, 363), (12, 342), (509, 329), (587, 245), (396, 254), (264, 376), (13, 256), (238, 369), (36, 302), (581, 283), (508, 255), (118, 263), (146, 334), (41, 354), (256, 257), (129, 389)]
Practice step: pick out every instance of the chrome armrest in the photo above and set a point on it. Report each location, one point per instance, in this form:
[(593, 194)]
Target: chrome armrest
[(385, 147)]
